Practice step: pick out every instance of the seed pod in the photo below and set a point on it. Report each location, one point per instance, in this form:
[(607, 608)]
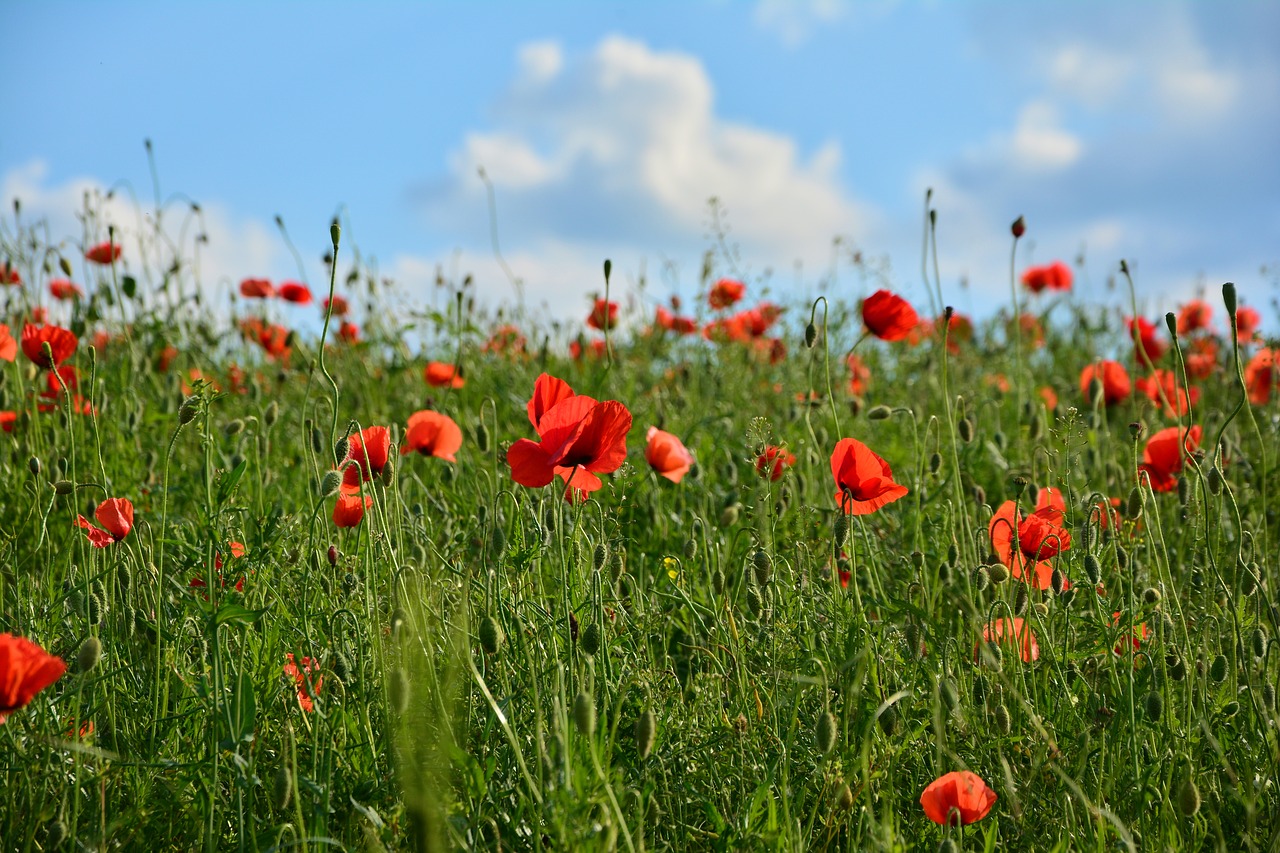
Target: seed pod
[(763, 566), (89, 654), (398, 691), (1248, 581), (980, 579), (281, 788), (1133, 506), (964, 428), (646, 732), (1021, 600), (584, 714), (55, 835), (825, 732), (1068, 596), (999, 573), (1092, 569), (1230, 709), (1188, 797), (810, 335), (590, 642), (935, 462), (1004, 723), (890, 721)]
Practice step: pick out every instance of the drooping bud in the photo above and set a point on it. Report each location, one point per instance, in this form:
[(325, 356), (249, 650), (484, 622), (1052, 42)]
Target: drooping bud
[(398, 690), (825, 732), (281, 788), (491, 635), (810, 335), (89, 654), (879, 413), (584, 714), (330, 483), (1189, 797), (590, 642), (646, 732)]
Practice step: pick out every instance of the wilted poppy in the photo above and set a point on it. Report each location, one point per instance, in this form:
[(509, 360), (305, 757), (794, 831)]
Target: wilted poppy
[(340, 305), (256, 288), (1193, 316), (1012, 632), (889, 316), (432, 434), (63, 289), (1054, 276), (62, 344), (369, 449), (1163, 457), (1261, 376), (725, 292), (667, 455), (1248, 320), (957, 798), (1026, 543), (103, 253), (302, 680), (604, 315), (8, 346), (25, 670), (114, 514), (773, 460), (295, 292), (349, 510), (439, 374), (1113, 378), (864, 482), (1144, 333)]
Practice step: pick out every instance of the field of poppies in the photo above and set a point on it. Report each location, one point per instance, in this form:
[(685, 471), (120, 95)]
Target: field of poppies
[(280, 569)]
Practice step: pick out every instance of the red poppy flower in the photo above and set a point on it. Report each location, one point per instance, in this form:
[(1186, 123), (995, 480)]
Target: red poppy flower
[(505, 340), (773, 461), (760, 319), (103, 253), (302, 679), (1049, 396), (859, 375), (1032, 330), (349, 333), (63, 289), (340, 305), (667, 455), (432, 434), (889, 316), (1194, 316), (8, 346), (237, 550), (441, 375), (1180, 401), (1248, 320), (725, 292), (114, 514), (8, 420), (673, 323), (864, 481), (349, 510), (295, 292), (1054, 276), (25, 670), (256, 288), (1261, 376), (274, 340), (1026, 543), (957, 798), (578, 438), (604, 315), (1163, 456), (596, 349), (1114, 379), (9, 274), (62, 344), (369, 449), (1012, 632), (1202, 358), (1145, 333), (772, 348), (1137, 633)]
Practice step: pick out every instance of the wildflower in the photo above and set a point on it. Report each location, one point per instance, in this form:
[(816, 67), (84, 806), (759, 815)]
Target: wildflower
[(864, 481), (301, 678), (1202, 358), (1261, 376), (256, 288), (1194, 316), (1112, 376), (62, 344), (667, 455), (1179, 399), (773, 460), (114, 514), (889, 316), (1049, 396), (369, 449), (1026, 543), (63, 289), (25, 670), (1032, 329), (1162, 458), (349, 333), (237, 550), (1012, 632), (1247, 322), (595, 349), (505, 340), (604, 315), (1054, 276), (349, 510), (1144, 333), (957, 798), (340, 307), (438, 374), (292, 291), (432, 434), (859, 375), (673, 323), (9, 275), (103, 253), (1137, 633), (8, 346), (725, 292), (274, 340), (8, 420)]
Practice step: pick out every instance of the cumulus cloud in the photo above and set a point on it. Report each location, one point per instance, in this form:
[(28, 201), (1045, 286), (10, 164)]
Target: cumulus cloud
[(794, 21)]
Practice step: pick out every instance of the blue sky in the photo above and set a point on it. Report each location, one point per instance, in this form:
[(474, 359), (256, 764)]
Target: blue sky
[(1147, 131)]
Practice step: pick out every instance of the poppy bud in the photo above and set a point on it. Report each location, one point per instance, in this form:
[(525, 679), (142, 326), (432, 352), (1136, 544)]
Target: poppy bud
[(332, 555), (890, 722), (840, 530), (1218, 669), (1213, 480), (754, 604), (1229, 298), (810, 335), (33, 465), (330, 483), (826, 732), (389, 472), (844, 799), (690, 548), (1122, 557), (1058, 581), (1154, 706), (729, 515), (1035, 427), (398, 691), (188, 410), (964, 428), (63, 487), (233, 428), (1019, 227), (281, 788), (1041, 608), (950, 698), (980, 579), (1248, 581), (617, 564), (491, 635), (335, 233), (1133, 506), (948, 845), (763, 566), (998, 572), (599, 556), (1184, 490), (1189, 797), (584, 714), (89, 654), (317, 440), (645, 732), (591, 639), (1258, 641), (1003, 721), (935, 462), (482, 437), (341, 449), (879, 413), (272, 413), (398, 620)]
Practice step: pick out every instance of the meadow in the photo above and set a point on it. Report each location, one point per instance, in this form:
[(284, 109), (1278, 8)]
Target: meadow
[(281, 568)]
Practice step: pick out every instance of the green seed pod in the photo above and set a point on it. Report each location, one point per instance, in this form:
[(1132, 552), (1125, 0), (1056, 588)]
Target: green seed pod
[(491, 635), (762, 564), (590, 642), (281, 788), (599, 556), (1021, 600), (1133, 506), (645, 732), (980, 579), (964, 428), (584, 714), (825, 732), (1092, 569), (1258, 641), (89, 654), (1248, 581), (879, 413), (398, 691), (1154, 706), (1151, 595), (994, 657), (1004, 723), (890, 721), (998, 572), (935, 462), (810, 335), (1188, 797)]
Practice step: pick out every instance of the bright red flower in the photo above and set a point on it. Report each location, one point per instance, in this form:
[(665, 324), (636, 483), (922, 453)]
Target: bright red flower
[(114, 514), (303, 681), (1049, 396), (667, 455), (596, 349), (8, 420), (1054, 276), (8, 346), (773, 461), (237, 550), (604, 315), (957, 798), (1026, 543), (673, 323), (1012, 632), (1261, 376), (257, 288), (295, 292), (369, 449), (63, 289), (103, 253), (1202, 357), (62, 344), (9, 274), (1114, 379), (889, 316), (349, 333), (274, 340), (1163, 457), (864, 481), (1144, 333), (1137, 633), (1193, 316), (340, 305), (859, 375), (1248, 320), (505, 340), (578, 438), (725, 292), (1165, 381), (432, 434), (439, 374), (349, 510), (25, 670)]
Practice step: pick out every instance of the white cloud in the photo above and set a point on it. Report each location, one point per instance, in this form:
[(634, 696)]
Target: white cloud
[(795, 20), (1039, 141)]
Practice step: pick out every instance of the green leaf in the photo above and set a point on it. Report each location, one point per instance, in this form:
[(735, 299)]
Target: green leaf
[(228, 480), (236, 614)]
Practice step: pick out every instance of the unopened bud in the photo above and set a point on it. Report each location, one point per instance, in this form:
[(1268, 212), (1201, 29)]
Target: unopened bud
[(188, 410), (330, 483), (810, 335), (879, 413), (335, 233), (1018, 228), (584, 714), (89, 654)]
